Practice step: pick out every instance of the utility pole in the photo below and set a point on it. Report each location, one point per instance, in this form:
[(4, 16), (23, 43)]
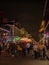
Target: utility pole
[(13, 28), (44, 11), (45, 5), (46, 26)]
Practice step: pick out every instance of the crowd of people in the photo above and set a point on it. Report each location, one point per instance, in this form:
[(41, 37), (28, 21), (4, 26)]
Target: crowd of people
[(37, 50)]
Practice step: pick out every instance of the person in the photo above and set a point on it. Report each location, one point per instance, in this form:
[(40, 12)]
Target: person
[(23, 45), (8, 44), (19, 49), (35, 49), (28, 47), (44, 52), (0, 47), (12, 49), (41, 48)]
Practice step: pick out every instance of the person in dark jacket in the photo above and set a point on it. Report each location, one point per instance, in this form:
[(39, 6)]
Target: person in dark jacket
[(0, 47), (12, 48)]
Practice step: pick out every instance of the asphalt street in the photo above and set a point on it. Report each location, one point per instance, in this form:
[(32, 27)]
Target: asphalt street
[(22, 61)]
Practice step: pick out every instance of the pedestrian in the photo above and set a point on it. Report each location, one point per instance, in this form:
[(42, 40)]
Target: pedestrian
[(35, 49), (19, 49), (12, 49), (23, 48), (0, 47), (28, 48), (41, 48)]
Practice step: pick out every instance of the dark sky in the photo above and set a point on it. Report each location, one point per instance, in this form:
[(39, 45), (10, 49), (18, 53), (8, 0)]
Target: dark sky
[(29, 14)]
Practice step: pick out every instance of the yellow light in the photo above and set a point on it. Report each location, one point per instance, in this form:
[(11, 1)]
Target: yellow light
[(42, 27)]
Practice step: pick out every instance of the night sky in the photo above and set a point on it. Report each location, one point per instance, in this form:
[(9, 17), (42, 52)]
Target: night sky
[(28, 14)]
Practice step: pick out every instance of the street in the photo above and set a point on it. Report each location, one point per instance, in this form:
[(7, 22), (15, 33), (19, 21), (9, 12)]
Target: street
[(22, 61), (24, 32)]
